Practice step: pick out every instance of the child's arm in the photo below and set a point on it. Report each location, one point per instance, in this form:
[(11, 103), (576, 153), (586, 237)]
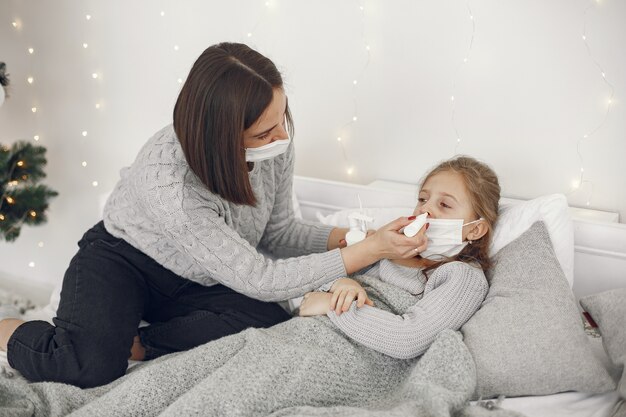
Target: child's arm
[(458, 291)]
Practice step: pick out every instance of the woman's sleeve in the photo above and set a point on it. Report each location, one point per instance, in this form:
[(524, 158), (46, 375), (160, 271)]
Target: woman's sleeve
[(285, 235), (193, 225), (458, 293)]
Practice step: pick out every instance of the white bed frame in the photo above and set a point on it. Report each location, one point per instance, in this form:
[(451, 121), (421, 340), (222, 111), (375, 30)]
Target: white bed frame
[(600, 240)]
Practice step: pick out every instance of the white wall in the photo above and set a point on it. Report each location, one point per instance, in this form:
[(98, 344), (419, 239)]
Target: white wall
[(526, 96)]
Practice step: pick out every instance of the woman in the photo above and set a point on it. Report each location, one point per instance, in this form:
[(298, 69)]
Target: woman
[(178, 242)]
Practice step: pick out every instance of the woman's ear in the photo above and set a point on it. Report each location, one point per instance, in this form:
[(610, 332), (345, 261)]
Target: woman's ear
[(477, 231)]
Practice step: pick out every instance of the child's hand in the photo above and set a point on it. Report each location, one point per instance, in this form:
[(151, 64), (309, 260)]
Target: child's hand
[(345, 291), (315, 304)]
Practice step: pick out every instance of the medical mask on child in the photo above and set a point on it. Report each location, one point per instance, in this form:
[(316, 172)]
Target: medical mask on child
[(445, 237), (269, 151)]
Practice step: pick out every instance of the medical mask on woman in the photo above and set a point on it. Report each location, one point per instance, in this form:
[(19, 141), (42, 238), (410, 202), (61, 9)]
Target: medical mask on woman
[(445, 237), (269, 151)]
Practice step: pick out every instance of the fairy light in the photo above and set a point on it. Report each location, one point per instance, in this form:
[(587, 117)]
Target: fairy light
[(176, 47), (1, 217), (162, 13), (88, 17), (94, 75), (578, 183), (31, 51), (95, 183), (32, 213), (20, 163), (10, 200), (30, 80), (180, 81), (456, 76), (344, 130), (85, 45), (40, 244), (36, 137), (84, 164), (84, 133), (34, 109), (31, 264), (98, 106)]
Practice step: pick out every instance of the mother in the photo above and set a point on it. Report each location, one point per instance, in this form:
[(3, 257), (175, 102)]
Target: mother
[(178, 243)]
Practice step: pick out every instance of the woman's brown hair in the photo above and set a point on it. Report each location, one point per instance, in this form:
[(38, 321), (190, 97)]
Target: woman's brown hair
[(228, 88), (483, 188)]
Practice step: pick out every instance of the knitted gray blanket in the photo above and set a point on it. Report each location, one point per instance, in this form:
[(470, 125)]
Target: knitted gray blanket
[(303, 367)]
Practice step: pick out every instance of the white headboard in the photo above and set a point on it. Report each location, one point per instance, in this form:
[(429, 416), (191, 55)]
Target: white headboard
[(600, 241)]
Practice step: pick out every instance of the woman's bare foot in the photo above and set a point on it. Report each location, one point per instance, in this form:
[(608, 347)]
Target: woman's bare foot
[(137, 352)]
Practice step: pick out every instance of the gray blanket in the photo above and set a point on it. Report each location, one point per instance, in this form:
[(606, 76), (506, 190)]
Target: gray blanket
[(303, 367)]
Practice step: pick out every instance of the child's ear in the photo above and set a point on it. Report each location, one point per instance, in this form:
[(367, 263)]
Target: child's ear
[(478, 230)]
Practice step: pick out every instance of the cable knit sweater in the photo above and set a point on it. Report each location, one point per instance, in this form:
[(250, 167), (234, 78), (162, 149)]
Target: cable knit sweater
[(161, 207), (446, 300)]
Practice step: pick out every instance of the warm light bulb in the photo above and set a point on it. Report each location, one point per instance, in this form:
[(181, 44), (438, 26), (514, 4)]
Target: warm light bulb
[(575, 184), (339, 139), (458, 140), (84, 163), (180, 80), (452, 98), (40, 244), (354, 82), (94, 75), (162, 13), (31, 264), (350, 171), (584, 38), (95, 183), (14, 24), (354, 119), (249, 34), (32, 213), (30, 80), (88, 17), (84, 133), (603, 75), (582, 169), (1, 217), (20, 163), (367, 47), (36, 137), (31, 50), (34, 109), (464, 59), (176, 47), (585, 136), (10, 200), (97, 105), (85, 46)]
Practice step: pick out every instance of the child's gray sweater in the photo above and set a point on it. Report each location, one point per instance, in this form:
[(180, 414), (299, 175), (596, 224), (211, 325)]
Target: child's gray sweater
[(161, 207), (450, 296)]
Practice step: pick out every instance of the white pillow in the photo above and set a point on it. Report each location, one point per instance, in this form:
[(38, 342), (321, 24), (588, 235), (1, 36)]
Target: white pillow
[(515, 218)]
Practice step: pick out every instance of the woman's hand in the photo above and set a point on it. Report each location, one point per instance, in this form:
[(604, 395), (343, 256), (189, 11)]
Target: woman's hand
[(315, 304), (389, 243), (344, 292)]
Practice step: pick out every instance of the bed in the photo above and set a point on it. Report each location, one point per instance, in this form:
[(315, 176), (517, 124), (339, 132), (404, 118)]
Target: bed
[(591, 247)]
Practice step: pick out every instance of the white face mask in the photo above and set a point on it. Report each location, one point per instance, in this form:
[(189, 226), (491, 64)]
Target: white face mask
[(269, 151), (445, 238)]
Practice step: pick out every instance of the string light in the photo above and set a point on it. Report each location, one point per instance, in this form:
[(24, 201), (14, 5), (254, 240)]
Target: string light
[(85, 46), (162, 13), (40, 244), (20, 163), (30, 80), (84, 133), (94, 75), (31, 264), (31, 50), (577, 184), (84, 164), (1, 217), (34, 109), (95, 183), (454, 80), (88, 17), (176, 47), (33, 213), (10, 200), (350, 170), (36, 137)]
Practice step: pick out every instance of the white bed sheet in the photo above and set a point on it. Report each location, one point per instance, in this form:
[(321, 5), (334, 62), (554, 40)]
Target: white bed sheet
[(567, 404)]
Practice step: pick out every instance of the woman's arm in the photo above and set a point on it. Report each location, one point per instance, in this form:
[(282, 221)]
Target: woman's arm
[(458, 293)]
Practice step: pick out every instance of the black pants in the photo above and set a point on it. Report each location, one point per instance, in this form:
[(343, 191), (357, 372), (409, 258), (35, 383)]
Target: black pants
[(107, 290)]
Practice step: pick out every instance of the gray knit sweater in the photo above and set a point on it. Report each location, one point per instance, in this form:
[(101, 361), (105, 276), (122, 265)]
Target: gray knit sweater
[(446, 300), (161, 207)]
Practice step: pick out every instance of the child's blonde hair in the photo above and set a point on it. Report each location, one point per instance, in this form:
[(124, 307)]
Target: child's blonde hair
[(483, 188)]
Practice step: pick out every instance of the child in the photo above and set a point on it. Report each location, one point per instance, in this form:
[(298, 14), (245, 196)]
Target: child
[(461, 198)]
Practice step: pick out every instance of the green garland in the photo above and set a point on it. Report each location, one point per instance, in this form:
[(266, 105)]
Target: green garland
[(22, 201)]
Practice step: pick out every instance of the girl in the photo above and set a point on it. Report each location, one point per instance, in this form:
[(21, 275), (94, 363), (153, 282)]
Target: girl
[(178, 243), (461, 198)]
